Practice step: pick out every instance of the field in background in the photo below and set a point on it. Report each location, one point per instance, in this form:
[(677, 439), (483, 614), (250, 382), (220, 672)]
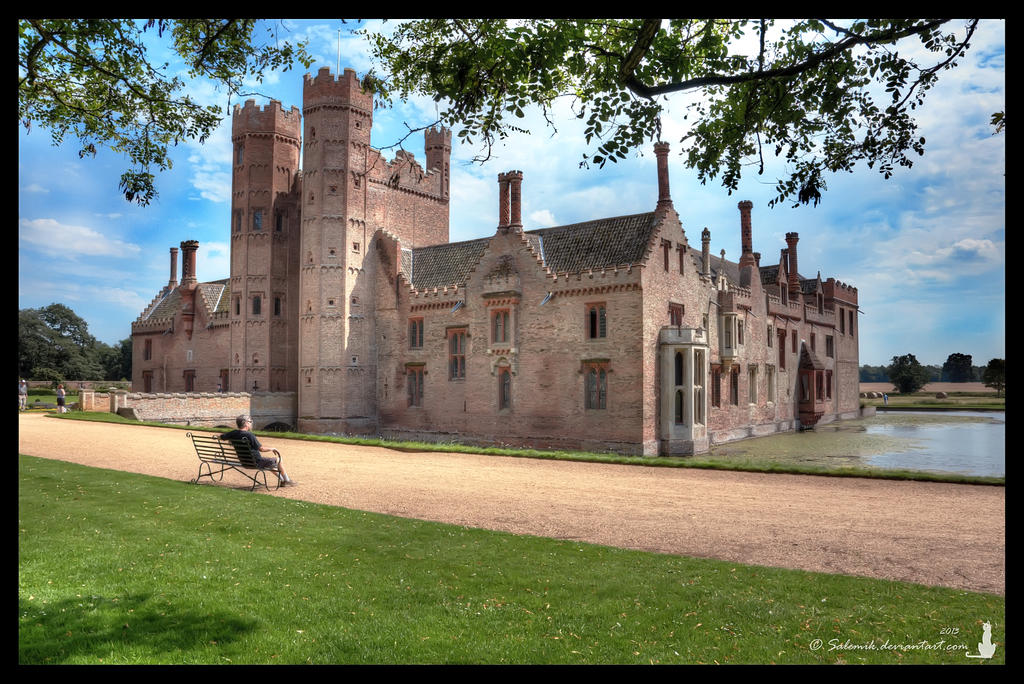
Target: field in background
[(973, 387)]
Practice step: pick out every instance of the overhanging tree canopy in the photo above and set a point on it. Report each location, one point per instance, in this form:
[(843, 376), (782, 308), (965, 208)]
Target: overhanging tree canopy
[(807, 91), (95, 79)]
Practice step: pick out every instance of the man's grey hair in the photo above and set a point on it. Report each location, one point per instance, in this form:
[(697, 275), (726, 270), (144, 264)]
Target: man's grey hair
[(242, 420)]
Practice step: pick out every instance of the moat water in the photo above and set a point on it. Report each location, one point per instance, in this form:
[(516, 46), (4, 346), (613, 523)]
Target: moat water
[(965, 442)]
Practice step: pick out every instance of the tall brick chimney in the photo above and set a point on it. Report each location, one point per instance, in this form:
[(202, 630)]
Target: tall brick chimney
[(705, 252), (188, 284), (794, 280), (502, 201), (746, 234), (515, 180), (664, 196), (173, 282), (188, 263)]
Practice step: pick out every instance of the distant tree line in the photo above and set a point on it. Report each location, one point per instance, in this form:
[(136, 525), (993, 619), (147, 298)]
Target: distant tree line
[(908, 375), (54, 344), (957, 371)]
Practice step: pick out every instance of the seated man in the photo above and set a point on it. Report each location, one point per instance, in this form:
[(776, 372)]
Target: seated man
[(274, 464)]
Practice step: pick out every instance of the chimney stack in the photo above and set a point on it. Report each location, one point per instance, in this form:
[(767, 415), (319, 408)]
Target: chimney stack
[(794, 280), (515, 180), (188, 284), (705, 252), (502, 201), (173, 282), (664, 196), (188, 263), (746, 236)]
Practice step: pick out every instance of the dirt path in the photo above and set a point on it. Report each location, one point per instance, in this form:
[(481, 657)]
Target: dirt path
[(930, 533)]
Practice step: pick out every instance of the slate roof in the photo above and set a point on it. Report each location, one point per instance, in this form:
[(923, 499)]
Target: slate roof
[(769, 274), (731, 270), (166, 307), (440, 265), (809, 359), (604, 243), (809, 286), (215, 295)]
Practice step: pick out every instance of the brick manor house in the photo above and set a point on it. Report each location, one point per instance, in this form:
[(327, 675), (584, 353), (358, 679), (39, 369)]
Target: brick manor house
[(347, 300)]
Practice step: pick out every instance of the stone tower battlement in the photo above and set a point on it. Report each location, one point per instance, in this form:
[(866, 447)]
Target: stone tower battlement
[(439, 138), (833, 288), (272, 118), (325, 89)]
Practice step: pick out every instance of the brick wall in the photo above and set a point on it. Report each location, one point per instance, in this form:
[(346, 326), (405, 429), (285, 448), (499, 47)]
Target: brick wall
[(547, 348)]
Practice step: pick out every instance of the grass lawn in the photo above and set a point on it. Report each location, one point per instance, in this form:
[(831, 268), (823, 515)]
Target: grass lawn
[(122, 568)]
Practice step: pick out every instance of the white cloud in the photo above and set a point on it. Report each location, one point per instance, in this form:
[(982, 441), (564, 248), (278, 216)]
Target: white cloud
[(213, 261), (70, 290), (35, 187), (71, 241), (543, 219)]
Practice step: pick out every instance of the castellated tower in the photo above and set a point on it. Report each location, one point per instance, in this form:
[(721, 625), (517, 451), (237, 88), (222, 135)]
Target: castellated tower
[(265, 236), (438, 147), (349, 192), (336, 354)]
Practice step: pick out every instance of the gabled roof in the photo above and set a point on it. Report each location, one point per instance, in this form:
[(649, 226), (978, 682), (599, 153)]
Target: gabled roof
[(214, 297), (165, 308), (440, 265), (729, 268), (604, 243), (769, 274), (809, 286), (809, 359)]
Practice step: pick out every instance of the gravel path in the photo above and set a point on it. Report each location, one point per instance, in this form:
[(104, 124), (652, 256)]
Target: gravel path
[(930, 533)]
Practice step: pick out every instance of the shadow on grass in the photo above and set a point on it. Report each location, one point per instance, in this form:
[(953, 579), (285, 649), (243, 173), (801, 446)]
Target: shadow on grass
[(90, 629)]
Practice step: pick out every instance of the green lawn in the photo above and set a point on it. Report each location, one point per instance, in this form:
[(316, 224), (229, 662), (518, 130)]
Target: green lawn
[(122, 568)]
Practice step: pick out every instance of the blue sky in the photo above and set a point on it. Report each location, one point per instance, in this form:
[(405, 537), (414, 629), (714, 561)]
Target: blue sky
[(926, 248)]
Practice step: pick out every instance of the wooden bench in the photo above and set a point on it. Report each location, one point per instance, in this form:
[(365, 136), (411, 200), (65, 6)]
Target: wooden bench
[(232, 454)]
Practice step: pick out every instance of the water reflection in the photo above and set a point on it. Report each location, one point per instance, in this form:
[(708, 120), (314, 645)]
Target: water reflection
[(966, 442)]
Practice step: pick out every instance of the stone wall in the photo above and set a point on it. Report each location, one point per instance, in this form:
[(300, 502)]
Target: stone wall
[(208, 409)]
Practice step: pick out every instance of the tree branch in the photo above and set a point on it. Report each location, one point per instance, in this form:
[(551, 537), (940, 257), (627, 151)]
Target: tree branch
[(847, 43), (644, 38)]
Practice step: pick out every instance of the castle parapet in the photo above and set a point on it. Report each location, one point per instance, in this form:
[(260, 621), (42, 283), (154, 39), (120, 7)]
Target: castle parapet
[(271, 119), (833, 289), (825, 317), (325, 89)]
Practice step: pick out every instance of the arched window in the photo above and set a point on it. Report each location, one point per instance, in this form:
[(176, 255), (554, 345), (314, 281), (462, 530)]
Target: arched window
[(679, 407), (596, 387)]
